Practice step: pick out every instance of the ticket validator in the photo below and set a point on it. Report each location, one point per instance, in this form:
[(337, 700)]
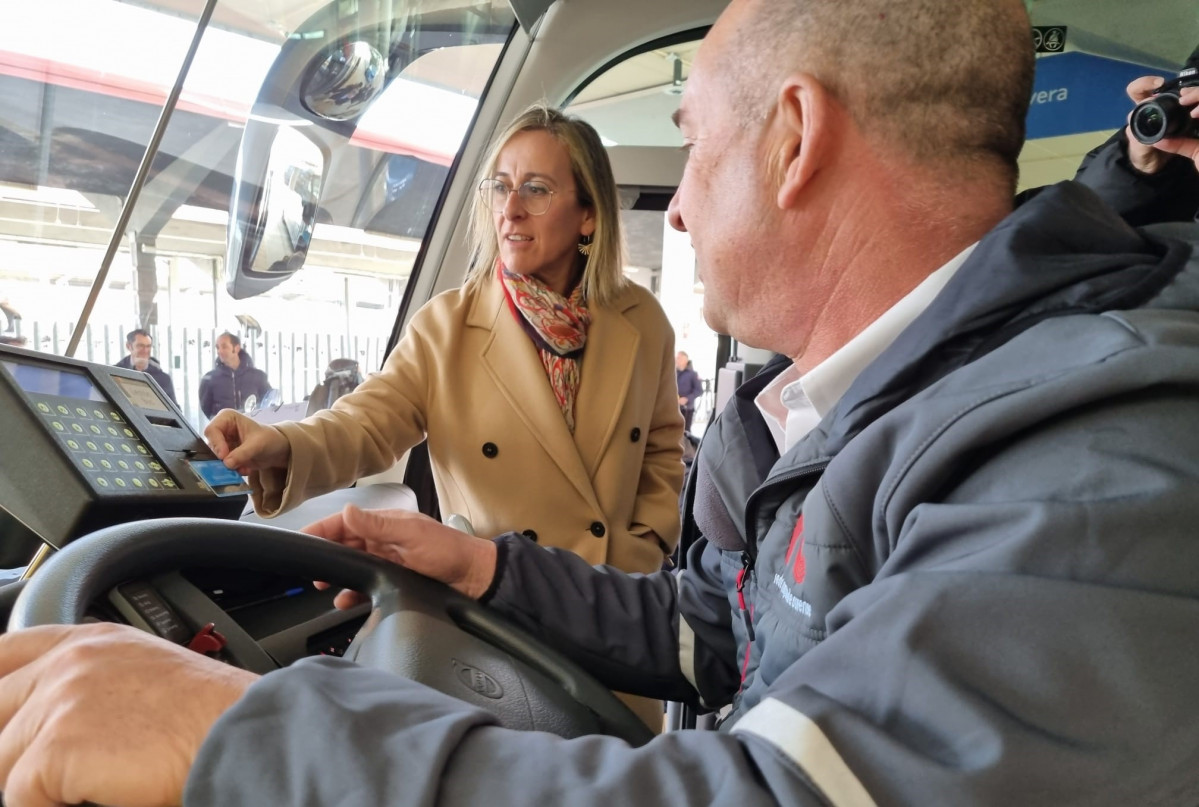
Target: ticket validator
[(85, 446)]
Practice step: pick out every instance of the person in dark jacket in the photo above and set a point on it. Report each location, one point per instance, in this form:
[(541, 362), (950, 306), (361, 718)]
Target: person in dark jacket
[(141, 346), (690, 387), (1153, 183), (233, 379), (962, 579)]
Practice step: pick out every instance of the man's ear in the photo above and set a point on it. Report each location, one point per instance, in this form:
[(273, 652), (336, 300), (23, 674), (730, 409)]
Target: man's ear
[(806, 120)]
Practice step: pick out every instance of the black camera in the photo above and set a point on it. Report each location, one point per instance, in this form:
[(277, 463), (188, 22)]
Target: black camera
[(1163, 114)]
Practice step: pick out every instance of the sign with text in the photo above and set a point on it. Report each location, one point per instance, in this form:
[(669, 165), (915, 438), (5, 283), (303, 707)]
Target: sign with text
[(1077, 92)]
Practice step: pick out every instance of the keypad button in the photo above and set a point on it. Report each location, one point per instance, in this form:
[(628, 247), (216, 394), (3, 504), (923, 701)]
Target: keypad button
[(120, 483), (62, 410), (96, 429), (88, 463), (75, 427), (58, 425), (44, 407), (92, 446), (79, 410), (101, 481)]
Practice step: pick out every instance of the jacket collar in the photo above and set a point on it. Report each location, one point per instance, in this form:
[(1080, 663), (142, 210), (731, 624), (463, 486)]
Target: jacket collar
[(1064, 252), (244, 364)]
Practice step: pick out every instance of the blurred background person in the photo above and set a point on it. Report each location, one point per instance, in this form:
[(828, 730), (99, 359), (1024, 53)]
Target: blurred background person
[(690, 387), (233, 379), (139, 357)]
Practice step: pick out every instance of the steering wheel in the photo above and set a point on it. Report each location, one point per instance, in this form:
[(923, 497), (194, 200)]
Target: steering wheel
[(417, 628)]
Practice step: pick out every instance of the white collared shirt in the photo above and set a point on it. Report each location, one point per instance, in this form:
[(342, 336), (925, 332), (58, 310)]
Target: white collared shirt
[(792, 404)]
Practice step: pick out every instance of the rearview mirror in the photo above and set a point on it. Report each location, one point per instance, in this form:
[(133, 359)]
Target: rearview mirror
[(274, 209)]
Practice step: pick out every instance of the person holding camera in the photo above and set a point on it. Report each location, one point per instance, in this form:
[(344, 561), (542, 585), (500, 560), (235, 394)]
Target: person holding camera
[(1149, 170)]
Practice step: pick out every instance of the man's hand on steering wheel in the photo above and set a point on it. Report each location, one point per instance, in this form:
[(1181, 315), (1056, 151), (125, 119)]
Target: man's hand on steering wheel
[(415, 541), (77, 702)]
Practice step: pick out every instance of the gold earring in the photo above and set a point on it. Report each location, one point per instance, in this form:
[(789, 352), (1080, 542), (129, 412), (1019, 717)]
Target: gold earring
[(585, 246)]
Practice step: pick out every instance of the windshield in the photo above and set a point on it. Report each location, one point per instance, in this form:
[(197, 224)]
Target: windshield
[(306, 134)]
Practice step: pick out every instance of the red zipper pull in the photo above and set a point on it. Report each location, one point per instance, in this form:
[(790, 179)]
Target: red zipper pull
[(747, 566)]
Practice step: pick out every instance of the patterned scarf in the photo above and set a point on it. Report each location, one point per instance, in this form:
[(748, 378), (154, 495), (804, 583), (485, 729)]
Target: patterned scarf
[(558, 327)]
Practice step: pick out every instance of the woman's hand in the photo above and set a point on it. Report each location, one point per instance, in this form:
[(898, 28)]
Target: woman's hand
[(246, 445), (414, 541), (1151, 159)]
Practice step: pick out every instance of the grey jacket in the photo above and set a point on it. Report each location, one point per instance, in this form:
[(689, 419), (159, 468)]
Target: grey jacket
[(974, 583)]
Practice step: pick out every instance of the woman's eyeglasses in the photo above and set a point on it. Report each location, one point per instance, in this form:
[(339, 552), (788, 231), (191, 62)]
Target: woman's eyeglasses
[(534, 197)]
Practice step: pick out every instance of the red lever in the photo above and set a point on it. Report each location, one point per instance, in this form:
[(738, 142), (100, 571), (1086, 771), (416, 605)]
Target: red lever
[(207, 640)]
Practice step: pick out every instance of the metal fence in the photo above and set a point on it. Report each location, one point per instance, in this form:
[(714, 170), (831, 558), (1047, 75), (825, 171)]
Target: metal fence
[(294, 362)]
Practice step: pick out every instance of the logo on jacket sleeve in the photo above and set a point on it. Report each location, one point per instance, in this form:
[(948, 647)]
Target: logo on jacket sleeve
[(796, 548), (794, 559)]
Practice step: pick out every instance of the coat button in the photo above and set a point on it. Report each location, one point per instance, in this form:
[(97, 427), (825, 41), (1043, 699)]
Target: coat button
[(490, 450), (635, 434), (597, 529), (531, 535)]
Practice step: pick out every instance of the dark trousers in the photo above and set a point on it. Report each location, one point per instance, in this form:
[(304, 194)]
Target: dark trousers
[(688, 413)]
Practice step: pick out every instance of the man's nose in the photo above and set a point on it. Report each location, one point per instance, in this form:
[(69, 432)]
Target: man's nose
[(674, 215)]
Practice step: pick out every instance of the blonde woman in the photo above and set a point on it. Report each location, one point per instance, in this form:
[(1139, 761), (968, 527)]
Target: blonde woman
[(545, 385)]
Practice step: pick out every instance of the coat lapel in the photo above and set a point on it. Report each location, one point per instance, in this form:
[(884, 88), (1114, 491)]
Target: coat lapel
[(606, 376), (511, 360)]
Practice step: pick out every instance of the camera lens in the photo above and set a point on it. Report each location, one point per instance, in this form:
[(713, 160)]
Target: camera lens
[(1149, 124), (1158, 117)]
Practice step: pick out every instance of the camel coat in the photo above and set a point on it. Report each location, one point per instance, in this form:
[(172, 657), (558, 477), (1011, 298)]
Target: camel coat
[(466, 375)]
